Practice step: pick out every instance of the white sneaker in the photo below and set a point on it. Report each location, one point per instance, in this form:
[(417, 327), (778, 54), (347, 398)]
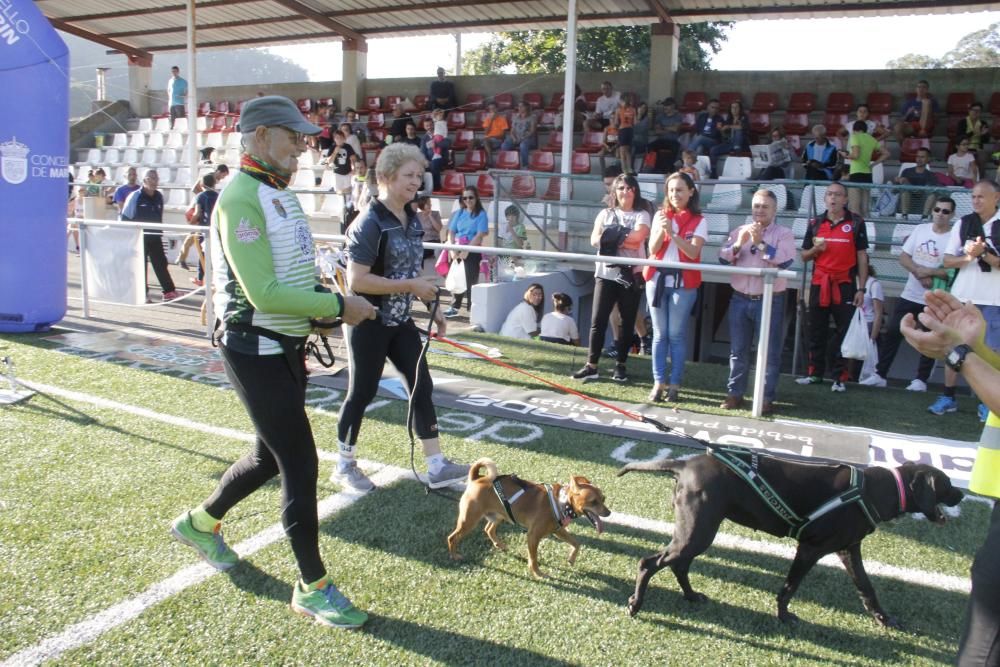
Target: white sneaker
[(917, 385), (873, 380), (838, 386), (351, 477)]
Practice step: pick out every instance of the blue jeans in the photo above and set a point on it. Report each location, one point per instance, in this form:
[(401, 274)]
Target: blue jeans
[(992, 316), (744, 323), (524, 147), (702, 144), (670, 324)]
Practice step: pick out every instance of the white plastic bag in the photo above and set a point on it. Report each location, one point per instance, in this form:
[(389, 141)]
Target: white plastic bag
[(855, 345), (455, 282), (871, 361)]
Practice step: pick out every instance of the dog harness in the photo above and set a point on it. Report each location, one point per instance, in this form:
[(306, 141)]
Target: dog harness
[(745, 464), (562, 516)]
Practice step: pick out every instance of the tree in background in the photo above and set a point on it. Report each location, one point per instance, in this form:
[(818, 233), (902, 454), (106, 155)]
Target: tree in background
[(977, 49), (619, 49)]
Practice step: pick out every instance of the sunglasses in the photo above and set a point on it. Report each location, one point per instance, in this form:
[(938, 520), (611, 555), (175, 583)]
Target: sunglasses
[(938, 209)]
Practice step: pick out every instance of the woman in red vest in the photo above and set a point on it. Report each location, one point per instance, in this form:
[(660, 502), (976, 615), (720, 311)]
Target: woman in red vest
[(678, 234)]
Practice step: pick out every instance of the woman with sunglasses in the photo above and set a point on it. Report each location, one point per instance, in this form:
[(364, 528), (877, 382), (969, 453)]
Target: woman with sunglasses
[(467, 227), (620, 230), (679, 232)]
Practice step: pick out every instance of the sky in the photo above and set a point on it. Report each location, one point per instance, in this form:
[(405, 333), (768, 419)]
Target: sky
[(752, 45)]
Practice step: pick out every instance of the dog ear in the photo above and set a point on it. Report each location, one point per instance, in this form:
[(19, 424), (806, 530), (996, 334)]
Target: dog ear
[(924, 495), (576, 481)]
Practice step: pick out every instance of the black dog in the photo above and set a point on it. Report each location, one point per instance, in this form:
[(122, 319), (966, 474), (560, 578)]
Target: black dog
[(708, 491)]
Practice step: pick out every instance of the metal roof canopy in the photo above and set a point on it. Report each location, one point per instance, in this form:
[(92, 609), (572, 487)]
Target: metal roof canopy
[(139, 28)]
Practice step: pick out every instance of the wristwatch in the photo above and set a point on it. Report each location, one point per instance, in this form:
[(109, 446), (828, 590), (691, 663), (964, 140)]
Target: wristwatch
[(956, 357)]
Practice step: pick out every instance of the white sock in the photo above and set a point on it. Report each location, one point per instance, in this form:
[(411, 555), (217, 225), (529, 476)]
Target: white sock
[(345, 455), (434, 463)]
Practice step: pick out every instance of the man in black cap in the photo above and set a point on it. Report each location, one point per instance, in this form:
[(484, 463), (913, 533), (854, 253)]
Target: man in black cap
[(268, 300)]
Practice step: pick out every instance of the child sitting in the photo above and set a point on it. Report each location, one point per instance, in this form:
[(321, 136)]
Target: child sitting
[(559, 326), (691, 166), (962, 167)]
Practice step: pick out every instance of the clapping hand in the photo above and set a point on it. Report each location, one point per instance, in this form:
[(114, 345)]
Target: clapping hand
[(947, 322)]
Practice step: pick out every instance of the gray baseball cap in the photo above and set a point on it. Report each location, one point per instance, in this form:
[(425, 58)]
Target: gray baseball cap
[(273, 110)]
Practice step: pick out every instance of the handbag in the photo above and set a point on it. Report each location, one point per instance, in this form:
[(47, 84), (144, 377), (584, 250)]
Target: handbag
[(441, 266), (855, 345), (455, 282)]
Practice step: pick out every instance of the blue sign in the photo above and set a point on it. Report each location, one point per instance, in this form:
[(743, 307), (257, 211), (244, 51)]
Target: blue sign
[(34, 161)]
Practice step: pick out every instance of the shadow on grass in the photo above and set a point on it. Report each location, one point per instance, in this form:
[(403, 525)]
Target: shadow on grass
[(251, 579)]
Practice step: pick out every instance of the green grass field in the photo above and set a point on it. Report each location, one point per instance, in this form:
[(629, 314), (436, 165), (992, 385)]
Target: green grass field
[(87, 494)]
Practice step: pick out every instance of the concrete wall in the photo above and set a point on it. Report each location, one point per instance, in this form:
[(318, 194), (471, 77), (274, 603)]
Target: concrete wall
[(110, 118)]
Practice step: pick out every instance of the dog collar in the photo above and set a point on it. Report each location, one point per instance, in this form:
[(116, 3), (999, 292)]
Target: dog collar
[(901, 489), (568, 513), (561, 510)]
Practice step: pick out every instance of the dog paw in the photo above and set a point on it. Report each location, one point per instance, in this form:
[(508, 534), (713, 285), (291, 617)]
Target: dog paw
[(538, 574), (632, 608), (788, 618), (696, 598), (501, 546), (888, 621), (455, 556)]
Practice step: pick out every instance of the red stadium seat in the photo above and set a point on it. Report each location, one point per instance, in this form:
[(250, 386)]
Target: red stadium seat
[(204, 108), (508, 160), (222, 107), (534, 100), (592, 98), (218, 124), (473, 102), (995, 128), (475, 160), (557, 99), (879, 102), (796, 123), (580, 163), (485, 185), (552, 191), (760, 122), (463, 139), (547, 119), (908, 150), (325, 101), (801, 103), (764, 102), (376, 120), (592, 142), (373, 104), (523, 187), (504, 101), (840, 102), (725, 99), (452, 183), (239, 107), (833, 122), (305, 105), (994, 105), (958, 103), (477, 120), (693, 102), (456, 120), (542, 161), (376, 136), (952, 130), (391, 101), (555, 142), (420, 102)]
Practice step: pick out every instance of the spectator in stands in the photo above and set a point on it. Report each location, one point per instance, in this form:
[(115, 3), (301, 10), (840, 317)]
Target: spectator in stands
[(469, 226), (922, 256), (523, 321), (512, 231), (608, 176), (762, 243), (494, 130), (323, 141), (428, 146), (917, 114), (221, 174), (430, 221), (523, 135), (351, 118), (679, 232), (861, 155), (837, 241), (559, 326), (146, 205), (918, 175), (779, 169), (819, 156), (974, 249), (690, 166), (411, 135), (342, 161), (605, 107), (962, 167), (204, 204), (666, 128), (977, 132), (123, 191), (624, 120), (708, 129), (177, 89), (862, 113), (735, 130), (640, 132), (399, 120), (351, 139), (620, 230), (442, 93)]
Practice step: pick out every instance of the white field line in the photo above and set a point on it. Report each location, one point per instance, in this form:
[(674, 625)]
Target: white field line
[(96, 625)]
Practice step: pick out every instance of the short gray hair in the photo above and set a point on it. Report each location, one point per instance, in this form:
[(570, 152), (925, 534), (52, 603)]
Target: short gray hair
[(393, 157)]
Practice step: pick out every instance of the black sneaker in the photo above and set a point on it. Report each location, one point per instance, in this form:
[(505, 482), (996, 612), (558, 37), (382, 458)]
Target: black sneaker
[(620, 374), (588, 372)]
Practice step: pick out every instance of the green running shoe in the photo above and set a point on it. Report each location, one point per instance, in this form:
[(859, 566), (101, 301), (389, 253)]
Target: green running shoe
[(210, 546), (327, 606)]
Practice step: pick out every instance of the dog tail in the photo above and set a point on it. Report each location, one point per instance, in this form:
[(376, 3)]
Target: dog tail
[(669, 466), (488, 464)]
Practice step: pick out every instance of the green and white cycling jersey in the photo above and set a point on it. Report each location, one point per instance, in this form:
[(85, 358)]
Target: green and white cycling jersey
[(264, 268)]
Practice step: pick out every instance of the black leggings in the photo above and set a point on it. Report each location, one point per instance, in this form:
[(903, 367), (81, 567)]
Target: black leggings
[(980, 643), (152, 243), (607, 293), (368, 345), (471, 264), (274, 396), (820, 345), (889, 343)]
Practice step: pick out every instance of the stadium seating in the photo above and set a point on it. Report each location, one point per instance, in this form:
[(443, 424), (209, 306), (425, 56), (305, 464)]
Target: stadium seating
[(475, 159), (553, 189), (452, 183), (375, 138), (688, 119), (796, 123), (325, 101), (765, 102), (542, 161), (456, 120), (760, 122), (508, 160), (554, 103), (994, 106), (879, 102), (547, 119), (463, 139), (484, 184), (218, 124), (908, 149), (554, 143), (477, 120), (534, 100), (801, 103), (504, 101), (523, 187), (473, 102), (305, 104), (834, 121), (580, 163), (204, 108), (957, 104), (222, 107), (373, 104), (840, 103), (376, 120), (727, 98), (420, 102), (592, 142), (693, 102), (591, 99), (391, 101)]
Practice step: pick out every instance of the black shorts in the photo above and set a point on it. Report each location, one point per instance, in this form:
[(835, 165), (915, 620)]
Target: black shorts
[(625, 136)]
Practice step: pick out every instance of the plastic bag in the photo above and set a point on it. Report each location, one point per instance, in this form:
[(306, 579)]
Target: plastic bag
[(887, 203), (871, 361), (455, 282), (855, 345), (441, 266)]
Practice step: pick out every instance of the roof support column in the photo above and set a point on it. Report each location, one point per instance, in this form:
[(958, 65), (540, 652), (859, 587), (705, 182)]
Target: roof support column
[(191, 145), (663, 59), (140, 74), (352, 81)]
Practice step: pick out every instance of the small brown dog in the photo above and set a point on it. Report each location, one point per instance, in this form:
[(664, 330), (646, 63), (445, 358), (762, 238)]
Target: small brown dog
[(542, 510)]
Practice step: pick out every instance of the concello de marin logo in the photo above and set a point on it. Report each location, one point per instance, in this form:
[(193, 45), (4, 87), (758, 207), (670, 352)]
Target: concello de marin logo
[(14, 161)]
